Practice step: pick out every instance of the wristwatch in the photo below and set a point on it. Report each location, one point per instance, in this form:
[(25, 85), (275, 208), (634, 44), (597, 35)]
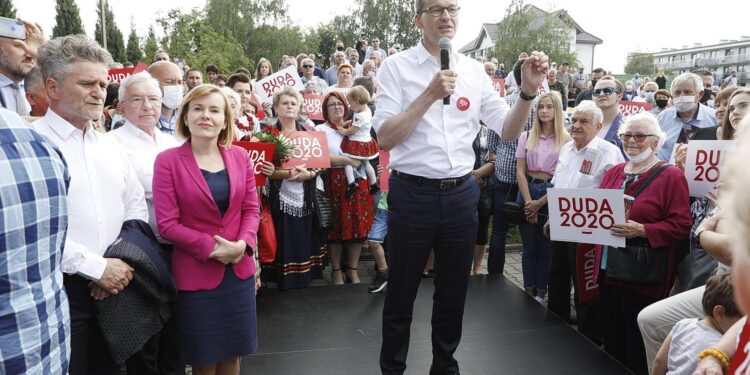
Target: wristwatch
[(697, 235)]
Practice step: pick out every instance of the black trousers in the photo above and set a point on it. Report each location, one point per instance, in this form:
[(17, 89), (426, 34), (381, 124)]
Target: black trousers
[(88, 352), (562, 272), (423, 218), (619, 308), (161, 354)]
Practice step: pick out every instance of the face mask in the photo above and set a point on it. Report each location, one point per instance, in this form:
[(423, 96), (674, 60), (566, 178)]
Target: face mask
[(593, 82), (683, 103), (650, 97), (371, 74), (116, 118), (172, 96), (706, 96), (642, 156), (661, 103)]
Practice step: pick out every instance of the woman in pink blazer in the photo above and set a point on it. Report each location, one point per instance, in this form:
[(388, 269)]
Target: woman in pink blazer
[(206, 205)]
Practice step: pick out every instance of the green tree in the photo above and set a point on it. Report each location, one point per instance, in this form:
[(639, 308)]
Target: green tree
[(390, 20), (68, 19), (188, 36), (7, 9), (242, 19), (527, 29), (150, 46), (638, 62), (115, 42), (133, 50)]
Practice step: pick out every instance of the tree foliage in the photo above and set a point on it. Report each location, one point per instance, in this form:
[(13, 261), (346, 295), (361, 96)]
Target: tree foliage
[(243, 20), (390, 20), (133, 50), (188, 36), (68, 19), (525, 29), (7, 9), (638, 62), (115, 42), (150, 46)]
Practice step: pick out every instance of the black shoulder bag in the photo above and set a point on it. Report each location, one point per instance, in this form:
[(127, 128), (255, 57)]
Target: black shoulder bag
[(637, 262)]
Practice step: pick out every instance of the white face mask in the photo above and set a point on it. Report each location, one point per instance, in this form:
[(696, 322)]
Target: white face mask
[(172, 96), (683, 103), (642, 156)]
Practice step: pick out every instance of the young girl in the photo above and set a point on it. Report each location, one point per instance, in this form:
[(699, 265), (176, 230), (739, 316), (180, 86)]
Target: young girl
[(536, 157), (357, 143)]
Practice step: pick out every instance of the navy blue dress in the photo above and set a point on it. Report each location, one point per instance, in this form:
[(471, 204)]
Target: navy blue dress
[(217, 324)]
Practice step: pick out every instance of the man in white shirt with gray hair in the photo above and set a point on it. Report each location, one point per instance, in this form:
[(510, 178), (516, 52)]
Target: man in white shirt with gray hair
[(433, 197), (104, 190)]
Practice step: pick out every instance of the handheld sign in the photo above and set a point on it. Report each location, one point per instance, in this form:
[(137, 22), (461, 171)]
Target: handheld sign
[(499, 85), (312, 106), (311, 149), (588, 260), (631, 108), (283, 78), (586, 215), (117, 75), (258, 152), (385, 161), (705, 160)]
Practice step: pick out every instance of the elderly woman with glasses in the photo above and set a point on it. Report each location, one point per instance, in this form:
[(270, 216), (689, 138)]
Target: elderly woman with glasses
[(658, 217)]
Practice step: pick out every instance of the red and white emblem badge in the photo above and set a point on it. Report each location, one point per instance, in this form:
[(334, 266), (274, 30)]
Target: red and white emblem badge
[(463, 103)]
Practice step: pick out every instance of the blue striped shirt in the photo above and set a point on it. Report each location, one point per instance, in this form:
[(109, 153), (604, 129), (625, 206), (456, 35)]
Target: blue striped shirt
[(34, 315)]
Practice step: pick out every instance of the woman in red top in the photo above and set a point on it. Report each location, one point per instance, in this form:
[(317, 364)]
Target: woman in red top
[(660, 214)]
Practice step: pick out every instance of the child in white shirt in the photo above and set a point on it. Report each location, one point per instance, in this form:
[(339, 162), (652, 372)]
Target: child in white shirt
[(357, 143)]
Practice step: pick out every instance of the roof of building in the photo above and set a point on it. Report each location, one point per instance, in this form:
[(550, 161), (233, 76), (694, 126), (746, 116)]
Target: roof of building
[(490, 29)]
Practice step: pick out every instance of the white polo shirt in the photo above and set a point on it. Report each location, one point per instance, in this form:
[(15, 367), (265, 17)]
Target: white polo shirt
[(440, 145), (571, 172)]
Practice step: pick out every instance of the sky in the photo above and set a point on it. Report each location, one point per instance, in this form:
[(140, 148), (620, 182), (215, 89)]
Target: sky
[(624, 26)]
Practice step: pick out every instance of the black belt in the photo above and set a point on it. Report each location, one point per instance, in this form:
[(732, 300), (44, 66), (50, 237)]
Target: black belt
[(440, 183), (535, 180)]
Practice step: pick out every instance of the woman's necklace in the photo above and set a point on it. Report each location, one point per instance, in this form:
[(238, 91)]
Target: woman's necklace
[(629, 168)]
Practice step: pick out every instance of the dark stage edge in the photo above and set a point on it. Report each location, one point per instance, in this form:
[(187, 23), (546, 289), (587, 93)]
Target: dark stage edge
[(336, 330)]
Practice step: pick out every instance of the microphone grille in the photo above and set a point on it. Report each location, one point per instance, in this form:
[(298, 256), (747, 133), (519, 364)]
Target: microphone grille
[(444, 43)]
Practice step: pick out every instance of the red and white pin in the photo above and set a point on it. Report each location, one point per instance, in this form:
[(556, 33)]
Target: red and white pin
[(463, 103)]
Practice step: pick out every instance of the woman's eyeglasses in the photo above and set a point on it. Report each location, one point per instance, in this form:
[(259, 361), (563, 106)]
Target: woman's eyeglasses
[(307, 66), (638, 137)]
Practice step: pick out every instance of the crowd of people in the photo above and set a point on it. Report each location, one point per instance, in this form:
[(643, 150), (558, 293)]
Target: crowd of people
[(131, 198)]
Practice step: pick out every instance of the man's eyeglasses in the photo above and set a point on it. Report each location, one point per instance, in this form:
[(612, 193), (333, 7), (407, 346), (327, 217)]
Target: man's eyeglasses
[(437, 11), (307, 66), (638, 137), (138, 101), (605, 91)]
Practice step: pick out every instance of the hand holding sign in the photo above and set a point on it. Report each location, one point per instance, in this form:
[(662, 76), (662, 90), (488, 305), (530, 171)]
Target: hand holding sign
[(629, 229), (586, 215)]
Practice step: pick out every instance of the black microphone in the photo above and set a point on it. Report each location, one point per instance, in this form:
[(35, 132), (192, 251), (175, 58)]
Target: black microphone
[(445, 46)]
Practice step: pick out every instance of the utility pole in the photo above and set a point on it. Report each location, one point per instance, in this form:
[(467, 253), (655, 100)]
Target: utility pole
[(104, 23)]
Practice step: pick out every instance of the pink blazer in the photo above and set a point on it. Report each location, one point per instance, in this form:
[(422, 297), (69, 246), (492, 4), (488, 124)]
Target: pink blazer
[(187, 215)]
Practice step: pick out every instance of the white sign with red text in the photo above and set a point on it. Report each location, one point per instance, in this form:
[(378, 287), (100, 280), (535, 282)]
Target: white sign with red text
[(586, 215), (705, 160), (283, 78), (631, 108)]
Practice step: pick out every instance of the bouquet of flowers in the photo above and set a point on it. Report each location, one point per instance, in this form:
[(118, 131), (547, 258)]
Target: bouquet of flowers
[(284, 146)]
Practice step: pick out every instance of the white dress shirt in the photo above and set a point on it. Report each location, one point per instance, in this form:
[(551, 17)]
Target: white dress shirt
[(104, 192), (440, 145), (141, 150), (601, 153)]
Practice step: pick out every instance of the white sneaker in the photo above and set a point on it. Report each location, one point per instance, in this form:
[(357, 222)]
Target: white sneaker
[(539, 299)]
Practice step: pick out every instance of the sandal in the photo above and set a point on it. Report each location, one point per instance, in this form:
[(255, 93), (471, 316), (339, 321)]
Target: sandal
[(333, 271)]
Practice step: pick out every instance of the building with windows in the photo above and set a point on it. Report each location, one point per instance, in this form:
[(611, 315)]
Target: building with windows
[(724, 57), (581, 42)]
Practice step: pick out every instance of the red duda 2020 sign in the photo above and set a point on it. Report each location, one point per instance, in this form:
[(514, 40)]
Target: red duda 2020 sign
[(258, 152)]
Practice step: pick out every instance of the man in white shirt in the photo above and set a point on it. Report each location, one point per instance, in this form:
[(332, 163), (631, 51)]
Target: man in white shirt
[(433, 199), (140, 102), (581, 163), (104, 190), (169, 76)]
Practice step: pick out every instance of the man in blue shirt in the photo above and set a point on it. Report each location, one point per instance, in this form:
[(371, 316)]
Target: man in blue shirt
[(687, 115), (34, 314)]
